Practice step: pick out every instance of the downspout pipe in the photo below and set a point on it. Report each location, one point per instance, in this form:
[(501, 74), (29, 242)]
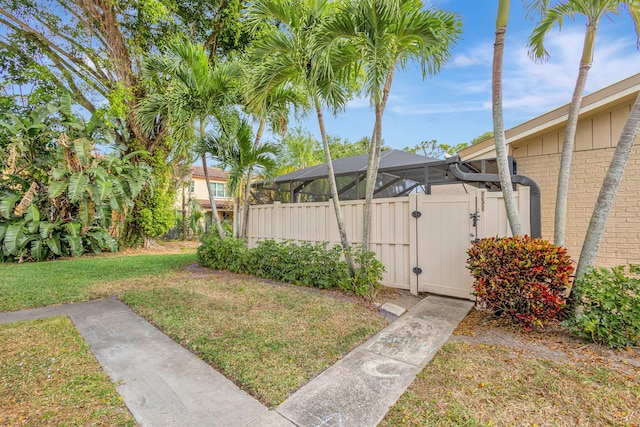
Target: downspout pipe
[(534, 194)]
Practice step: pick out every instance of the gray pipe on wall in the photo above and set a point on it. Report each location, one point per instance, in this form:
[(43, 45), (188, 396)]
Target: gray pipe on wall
[(534, 195)]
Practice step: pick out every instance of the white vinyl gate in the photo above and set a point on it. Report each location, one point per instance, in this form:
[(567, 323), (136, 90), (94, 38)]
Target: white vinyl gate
[(422, 240)]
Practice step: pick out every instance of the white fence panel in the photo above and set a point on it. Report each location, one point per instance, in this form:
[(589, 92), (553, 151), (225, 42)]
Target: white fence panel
[(436, 242)]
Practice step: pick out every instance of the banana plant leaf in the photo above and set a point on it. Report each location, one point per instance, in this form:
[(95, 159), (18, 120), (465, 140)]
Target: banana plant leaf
[(75, 244), (11, 241), (53, 243), (39, 250), (32, 214), (77, 184), (7, 205), (56, 188), (46, 228)]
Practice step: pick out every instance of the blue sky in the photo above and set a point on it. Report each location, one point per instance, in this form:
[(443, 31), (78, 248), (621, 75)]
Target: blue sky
[(455, 105)]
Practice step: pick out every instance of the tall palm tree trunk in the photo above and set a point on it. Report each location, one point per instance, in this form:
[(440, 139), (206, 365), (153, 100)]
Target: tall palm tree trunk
[(236, 216), (498, 120), (608, 190), (214, 208), (334, 188), (184, 213), (374, 162), (570, 136), (372, 175), (247, 189)]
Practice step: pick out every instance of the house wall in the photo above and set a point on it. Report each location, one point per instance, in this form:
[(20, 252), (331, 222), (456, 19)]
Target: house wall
[(538, 157), (199, 191)]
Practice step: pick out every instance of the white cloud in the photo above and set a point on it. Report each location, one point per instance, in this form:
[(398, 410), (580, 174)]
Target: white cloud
[(529, 88), (481, 54), (537, 88)]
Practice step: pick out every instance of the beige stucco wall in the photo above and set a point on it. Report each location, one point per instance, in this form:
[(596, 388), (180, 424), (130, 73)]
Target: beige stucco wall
[(199, 191), (538, 157)]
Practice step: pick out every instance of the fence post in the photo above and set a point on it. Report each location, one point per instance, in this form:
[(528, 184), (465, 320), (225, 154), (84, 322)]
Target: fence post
[(413, 243)]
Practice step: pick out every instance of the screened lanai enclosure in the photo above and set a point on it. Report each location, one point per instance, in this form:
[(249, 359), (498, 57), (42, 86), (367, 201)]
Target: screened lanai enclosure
[(425, 214), (400, 174)]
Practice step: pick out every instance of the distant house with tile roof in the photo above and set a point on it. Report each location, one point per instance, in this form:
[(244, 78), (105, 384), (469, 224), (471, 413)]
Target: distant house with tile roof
[(197, 190)]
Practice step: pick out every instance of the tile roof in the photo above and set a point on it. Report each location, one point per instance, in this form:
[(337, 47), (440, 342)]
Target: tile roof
[(214, 173), (222, 205)]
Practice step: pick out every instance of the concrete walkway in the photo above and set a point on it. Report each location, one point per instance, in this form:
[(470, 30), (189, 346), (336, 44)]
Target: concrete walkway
[(164, 384)]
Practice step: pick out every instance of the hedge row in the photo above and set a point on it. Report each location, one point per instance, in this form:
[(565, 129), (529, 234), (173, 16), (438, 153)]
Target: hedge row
[(308, 264)]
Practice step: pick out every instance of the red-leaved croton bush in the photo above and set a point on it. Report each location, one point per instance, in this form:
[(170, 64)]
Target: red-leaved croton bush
[(521, 278)]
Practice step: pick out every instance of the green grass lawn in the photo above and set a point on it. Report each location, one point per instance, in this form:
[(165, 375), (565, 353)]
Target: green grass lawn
[(48, 377), (32, 285), (268, 338), (488, 385)]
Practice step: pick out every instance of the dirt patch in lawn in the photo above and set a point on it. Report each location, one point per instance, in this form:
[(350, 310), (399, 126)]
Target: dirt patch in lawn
[(553, 342)]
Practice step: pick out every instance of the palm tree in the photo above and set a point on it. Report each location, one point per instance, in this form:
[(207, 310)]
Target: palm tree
[(288, 56), (236, 151), (384, 35), (196, 95), (498, 119), (608, 190), (593, 11), (272, 107)]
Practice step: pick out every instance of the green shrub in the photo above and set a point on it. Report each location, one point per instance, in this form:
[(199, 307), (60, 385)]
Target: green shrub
[(522, 278), (223, 254), (304, 264), (310, 264), (369, 269), (608, 307)]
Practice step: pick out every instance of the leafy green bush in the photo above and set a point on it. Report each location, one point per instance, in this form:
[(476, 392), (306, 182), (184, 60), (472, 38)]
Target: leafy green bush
[(304, 264), (223, 254), (57, 198), (608, 307), (522, 278), (368, 274)]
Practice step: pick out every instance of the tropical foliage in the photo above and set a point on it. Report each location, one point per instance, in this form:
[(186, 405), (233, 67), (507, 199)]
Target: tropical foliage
[(235, 150), (380, 37), (292, 56), (58, 197), (196, 93), (94, 50), (523, 279), (610, 307)]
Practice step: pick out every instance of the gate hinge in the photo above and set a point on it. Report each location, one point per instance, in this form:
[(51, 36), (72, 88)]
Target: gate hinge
[(417, 270), (416, 214)]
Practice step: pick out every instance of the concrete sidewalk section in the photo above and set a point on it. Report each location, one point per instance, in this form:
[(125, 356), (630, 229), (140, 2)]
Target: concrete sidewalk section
[(162, 383), (359, 389)]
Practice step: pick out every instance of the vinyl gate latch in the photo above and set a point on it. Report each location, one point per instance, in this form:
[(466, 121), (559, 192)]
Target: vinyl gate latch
[(416, 214), (474, 217), (417, 270)]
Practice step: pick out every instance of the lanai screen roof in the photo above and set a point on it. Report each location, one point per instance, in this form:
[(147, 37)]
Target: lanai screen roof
[(399, 174), (389, 160)]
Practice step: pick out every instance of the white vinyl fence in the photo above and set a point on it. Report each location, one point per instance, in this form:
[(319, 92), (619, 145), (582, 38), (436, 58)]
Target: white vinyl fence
[(421, 239)]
